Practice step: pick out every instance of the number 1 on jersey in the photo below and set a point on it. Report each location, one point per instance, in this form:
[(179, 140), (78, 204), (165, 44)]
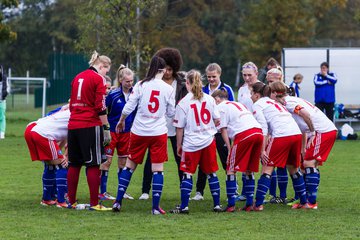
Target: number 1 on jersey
[(80, 81)]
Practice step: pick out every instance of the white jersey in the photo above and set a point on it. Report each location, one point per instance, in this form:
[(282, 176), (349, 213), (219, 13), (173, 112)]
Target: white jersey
[(169, 121), (244, 97), (319, 120), (53, 127), (274, 118), (196, 117), (154, 99), (236, 118)]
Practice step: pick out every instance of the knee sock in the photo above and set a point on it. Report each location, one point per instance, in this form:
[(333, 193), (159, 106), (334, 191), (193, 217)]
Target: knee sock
[(273, 184), (124, 180), (282, 179), (243, 179), (48, 180), (299, 186), (312, 183), (104, 179), (250, 189), (72, 180), (214, 188), (231, 189), (157, 187), (186, 188), (93, 179), (262, 188), (61, 183)]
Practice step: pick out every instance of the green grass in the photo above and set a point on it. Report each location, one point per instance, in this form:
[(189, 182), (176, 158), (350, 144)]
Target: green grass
[(22, 217)]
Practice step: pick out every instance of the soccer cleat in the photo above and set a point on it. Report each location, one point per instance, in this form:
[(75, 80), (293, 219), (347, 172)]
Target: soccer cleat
[(128, 196), (116, 207), (240, 198), (105, 196), (99, 208), (248, 208), (258, 208), (268, 198), (229, 209), (158, 211), (62, 205), (312, 206), (178, 210), (304, 206), (47, 202), (198, 196), (292, 202), (217, 209), (144, 196)]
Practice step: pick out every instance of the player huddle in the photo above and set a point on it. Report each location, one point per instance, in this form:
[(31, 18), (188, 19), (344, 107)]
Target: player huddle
[(266, 126)]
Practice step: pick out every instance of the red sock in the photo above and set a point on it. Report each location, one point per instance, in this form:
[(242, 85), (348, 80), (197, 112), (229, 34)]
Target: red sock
[(93, 179), (72, 180)]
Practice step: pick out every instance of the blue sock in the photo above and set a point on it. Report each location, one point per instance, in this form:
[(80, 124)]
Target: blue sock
[(250, 189), (61, 183), (157, 186), (48, 180), (214, 188), (186, 188), (124, 180), (262, 188), (312, 181), (299, 186), (282, 179), (231, 189), (103, 182), (273, 184), (243, 178)]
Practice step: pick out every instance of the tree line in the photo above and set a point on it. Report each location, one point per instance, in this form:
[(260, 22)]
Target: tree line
[(130, 31)]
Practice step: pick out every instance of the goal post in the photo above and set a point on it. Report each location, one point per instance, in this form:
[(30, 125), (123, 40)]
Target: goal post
[(27, 80)]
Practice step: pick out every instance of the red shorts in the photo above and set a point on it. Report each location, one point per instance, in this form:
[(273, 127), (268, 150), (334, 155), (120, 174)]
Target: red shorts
[(40, 148), (284, 151), (205, 158), (120, 141), (323, 144), (157, 146), (245, 152)]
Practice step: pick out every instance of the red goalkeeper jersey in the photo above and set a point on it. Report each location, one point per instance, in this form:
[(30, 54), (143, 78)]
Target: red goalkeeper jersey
[(87, 99)]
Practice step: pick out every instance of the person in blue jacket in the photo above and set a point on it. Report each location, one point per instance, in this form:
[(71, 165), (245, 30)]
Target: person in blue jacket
[(115, 102), (325, 90)]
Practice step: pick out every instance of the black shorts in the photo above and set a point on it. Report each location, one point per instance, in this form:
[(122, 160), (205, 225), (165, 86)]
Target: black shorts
[(85, 146)]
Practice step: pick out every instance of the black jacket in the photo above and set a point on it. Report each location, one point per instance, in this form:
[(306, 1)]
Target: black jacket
[(181, 90), (3, 84)]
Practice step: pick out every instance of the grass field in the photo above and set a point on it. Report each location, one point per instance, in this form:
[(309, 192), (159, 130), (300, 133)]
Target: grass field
[(22, 217)]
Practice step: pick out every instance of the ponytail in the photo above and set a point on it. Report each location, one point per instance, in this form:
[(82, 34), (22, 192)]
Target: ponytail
[(194, 78), (96, 59), (122, 72)]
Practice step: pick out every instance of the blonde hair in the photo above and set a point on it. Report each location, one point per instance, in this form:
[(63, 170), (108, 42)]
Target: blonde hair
[(121, 73), (194, 78), (250, 65), (213, 67), (276, 73), (96, 59)]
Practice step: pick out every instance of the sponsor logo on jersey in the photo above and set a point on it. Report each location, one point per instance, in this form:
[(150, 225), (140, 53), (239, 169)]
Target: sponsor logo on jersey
[(119, 101), (108, 151), (59, 152)]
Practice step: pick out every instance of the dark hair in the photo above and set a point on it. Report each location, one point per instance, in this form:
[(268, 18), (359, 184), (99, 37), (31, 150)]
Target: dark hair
[(156, 64), (272, 61), (172, 57), (324, 64), (261, 88), (221, 93)]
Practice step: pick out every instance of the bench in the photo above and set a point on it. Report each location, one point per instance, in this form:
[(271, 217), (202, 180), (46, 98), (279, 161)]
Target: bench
[(353, 122)]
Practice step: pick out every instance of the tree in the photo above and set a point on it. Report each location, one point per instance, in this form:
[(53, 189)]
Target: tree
[(5, 31), (271, 25), (115, 28)]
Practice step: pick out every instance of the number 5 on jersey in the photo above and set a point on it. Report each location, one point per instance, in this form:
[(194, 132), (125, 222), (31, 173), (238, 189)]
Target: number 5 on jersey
[(153, 105), (204, 114)]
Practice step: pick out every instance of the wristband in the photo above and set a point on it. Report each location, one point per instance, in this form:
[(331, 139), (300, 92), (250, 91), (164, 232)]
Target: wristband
[(106, 127)]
